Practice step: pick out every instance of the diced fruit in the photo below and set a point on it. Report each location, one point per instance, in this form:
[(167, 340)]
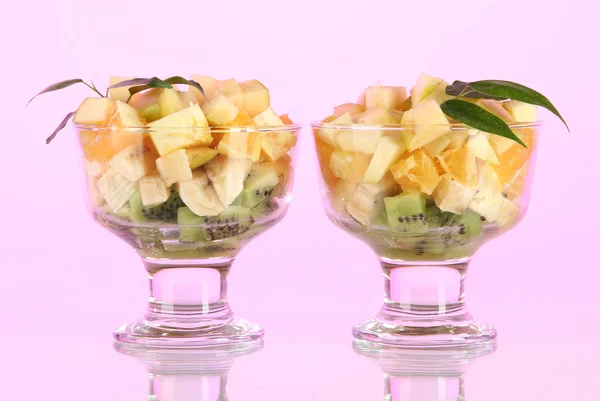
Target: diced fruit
[(418, 168), (329, 119), (258, 187), (429, 123), (341, 193), (220, 110), (165, 211), (232, 221), (174, 167), (461, 165), (277, 143), (488, 197), (185, 128), (429, 89), (324, 152), (285, 118), (406, 213), (255, 96), (121, 93), (349, 166), (388, 97), (452, 196), (499, 143), (115, 189), (389, 150), (515, 188), (508, 214), (496, 109), (329, 134), (481, 148), (407, 185), (367, 199), (94, 111), (521, 112), (171, 101), (153, 191), (125, 115), (241, 144), (242, 120), (463, 228), (133, 162), (365, 140), (282, 168), (93, 171), (146, 103), (231, 88), (200, 155), (199, 195), (438, 146), (376, 116), (457, 138), (351, 108), (209, 86), (227, 176), (511, 161)]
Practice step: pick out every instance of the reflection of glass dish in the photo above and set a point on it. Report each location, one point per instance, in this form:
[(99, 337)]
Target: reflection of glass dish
[(182, 375), (424, 374)]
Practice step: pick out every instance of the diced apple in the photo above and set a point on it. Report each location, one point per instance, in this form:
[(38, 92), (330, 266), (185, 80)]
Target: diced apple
[(209, 86), (366, 201), (183, 129), (115, 189), (220, 111), (429, 89), (153, 191), (481, 147), (121, 93), (428, 123), (351, 108), (276, 143), (329, 134), (388, 97), (199, 195), (349, 166), (457, 139), (389, 149), (438, 146), (125, 115), (256, 97), (94, 110), (170, 101), (231, 88), (495, 107), (132, 162), (452, 196), (365, 140), (241, 144), (227, 176), (200, 155), (146, 103), (174, 167), (521, 112)]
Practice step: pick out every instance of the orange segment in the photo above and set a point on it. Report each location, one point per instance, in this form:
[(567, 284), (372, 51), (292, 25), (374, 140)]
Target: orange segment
[(461, 164), (512, 161), (416, 172)]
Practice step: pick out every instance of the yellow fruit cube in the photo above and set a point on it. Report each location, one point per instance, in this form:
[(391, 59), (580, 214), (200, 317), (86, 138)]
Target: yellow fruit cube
[(429, 89), (231, 88), (200, 155), (256, 97), (351, 108), (275, 143), (388, 97), (428, 123), (174, 167), (242, 120), (121, 93), (329, 134), (389, 150), (209, 86), (94, 110), (349, 166), (521, 112), (461, 164), (241, 144), (220, 111)]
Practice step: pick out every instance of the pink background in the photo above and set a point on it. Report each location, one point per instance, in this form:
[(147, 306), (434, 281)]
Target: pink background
[(65, 279)]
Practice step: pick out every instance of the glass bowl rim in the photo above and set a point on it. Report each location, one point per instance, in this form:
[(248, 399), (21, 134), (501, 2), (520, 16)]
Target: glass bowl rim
[(407, 127), (146, 129)]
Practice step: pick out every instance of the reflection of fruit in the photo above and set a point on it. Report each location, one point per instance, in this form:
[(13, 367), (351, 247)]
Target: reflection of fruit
[(429, 123), (461, 165), (418, 168)]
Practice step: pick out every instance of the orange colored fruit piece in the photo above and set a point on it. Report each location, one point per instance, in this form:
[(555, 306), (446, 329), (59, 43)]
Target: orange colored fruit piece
[(324, 152), (461, 164), (416, 172), (286, 119), (512, 161)]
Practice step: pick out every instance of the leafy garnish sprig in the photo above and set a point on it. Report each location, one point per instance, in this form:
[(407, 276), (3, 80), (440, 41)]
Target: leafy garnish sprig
[(136, 85), (477, 117)]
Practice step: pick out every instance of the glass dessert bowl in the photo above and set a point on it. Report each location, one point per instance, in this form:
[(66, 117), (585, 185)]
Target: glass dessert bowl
[(425, 193), (187, 186)]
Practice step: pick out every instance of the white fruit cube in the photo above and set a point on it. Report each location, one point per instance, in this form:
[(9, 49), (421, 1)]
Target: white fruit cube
[(209, 86), (220, 110), (481, 148), (521, 112), (121, 93), (388, 97), (352, 108), (115, 189), (174, 167), (153, 191), (94, 110), (349, 166), (185, 128), (367, 199), (199, 195), (389, 149), (429, 123), (329, 134), (130, 162), (452, 196), (256, 97), (275, 144)]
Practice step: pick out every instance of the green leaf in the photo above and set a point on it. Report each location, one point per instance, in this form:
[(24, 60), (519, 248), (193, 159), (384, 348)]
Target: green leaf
[(180, 80), (58, 86), (478, 118), (131, 82), (463, 89), (515, 91), (62, 125)]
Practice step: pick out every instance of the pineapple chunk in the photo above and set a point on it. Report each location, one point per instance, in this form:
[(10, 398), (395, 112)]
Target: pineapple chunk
[(125, 115), (199, 195), (255, 96), (389, 149), (429, 89), (227, 176), (132, 162), (171, 101), (429, 123), (115, 189), (388, 97), (452, 196), (351, 108), (146, 103), (521, 112), (481, 148), (366, 201), (220, 110), (94, 110), (185, 128), (365, 140), (241, 144), (231, 88), (200, 155), (329, 134), (349, 166), (121, 93), (242, 120), (438, 146), (174, 167), (209, 86), (153, 191), (278, 143)]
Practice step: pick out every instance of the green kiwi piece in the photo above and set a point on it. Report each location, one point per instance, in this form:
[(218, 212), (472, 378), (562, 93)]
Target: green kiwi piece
[(231, 222), (406, 213)]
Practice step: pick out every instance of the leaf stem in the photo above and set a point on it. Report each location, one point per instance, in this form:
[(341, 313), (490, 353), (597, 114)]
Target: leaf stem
[(93, 87)]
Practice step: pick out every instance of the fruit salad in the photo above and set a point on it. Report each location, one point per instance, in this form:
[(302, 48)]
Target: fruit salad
[(186, 172), (416, 183)]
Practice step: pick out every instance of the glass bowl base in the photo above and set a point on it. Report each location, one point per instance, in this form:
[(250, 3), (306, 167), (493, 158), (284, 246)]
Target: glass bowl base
[(236, 332), (448, 334)]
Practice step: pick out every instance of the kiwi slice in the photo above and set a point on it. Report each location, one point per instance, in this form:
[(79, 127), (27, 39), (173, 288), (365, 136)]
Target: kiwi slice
[(166, 211), (258, 187), (406, 213), (232, 221)]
